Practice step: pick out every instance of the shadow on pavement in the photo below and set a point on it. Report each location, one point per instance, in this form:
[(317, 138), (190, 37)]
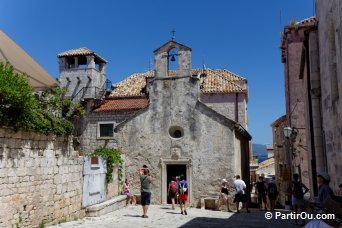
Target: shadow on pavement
[(175, 213), (135, 216), (238, 220)]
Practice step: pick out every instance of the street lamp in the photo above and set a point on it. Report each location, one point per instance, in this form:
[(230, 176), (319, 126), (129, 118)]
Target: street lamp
[(290, 133), (287, 132)]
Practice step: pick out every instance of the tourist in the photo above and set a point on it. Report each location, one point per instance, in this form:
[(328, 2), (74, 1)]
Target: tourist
[(130, 196), (146, 181), (172, 191), (240, 195), (272, 193), (297, 195), (324, 189), (183, 189), (223, 199), (261, 191)]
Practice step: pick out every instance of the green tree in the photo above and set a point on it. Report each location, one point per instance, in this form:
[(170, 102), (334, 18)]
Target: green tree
[(17, 101)]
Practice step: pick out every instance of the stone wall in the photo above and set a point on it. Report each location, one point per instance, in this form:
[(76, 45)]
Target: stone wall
[(89, 130), (295, 103), (41, 179), (225, 104), (330, 59)]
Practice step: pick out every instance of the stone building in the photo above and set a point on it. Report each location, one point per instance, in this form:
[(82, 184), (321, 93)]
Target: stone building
[(330, 71), (282, 160), (292, 43), (316, 62), (180, 121), (321, 69)]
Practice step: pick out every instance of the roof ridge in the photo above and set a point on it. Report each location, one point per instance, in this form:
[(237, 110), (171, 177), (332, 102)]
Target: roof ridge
[(236, 75)]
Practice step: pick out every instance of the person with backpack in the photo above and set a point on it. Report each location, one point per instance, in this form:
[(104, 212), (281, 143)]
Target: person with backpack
[(183, 189), (297, 195), (261, 190), (173, 191), (272, 193)]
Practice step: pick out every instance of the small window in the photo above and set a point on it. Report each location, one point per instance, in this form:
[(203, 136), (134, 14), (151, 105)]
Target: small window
[(105, 130), (176, 132), (94, 162)]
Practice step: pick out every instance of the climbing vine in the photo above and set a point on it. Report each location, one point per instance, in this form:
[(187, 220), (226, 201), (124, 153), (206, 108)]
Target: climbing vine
[(111, 156)]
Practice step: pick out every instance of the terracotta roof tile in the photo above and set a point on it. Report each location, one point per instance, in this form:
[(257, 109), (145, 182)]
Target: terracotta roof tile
[(215, 81), (80, 51), (123, 105), (308, 20)]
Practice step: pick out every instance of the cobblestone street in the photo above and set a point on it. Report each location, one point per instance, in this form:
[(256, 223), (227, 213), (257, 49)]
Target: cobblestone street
[(163, 216)]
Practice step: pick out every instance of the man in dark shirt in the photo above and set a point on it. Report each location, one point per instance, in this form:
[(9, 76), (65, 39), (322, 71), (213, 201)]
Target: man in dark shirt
[(261, 189)]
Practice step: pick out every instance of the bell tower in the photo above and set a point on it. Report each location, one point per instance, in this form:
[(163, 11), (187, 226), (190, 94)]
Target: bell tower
[(171, 52), (82, 74)]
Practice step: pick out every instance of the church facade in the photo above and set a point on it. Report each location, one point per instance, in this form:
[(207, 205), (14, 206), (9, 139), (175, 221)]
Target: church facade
[(180, 121)]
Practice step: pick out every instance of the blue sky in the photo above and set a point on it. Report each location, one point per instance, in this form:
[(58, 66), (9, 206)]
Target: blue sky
[(242, 36)]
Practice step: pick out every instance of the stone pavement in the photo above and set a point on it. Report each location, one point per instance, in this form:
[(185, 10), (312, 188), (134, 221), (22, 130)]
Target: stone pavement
[(163, 216)]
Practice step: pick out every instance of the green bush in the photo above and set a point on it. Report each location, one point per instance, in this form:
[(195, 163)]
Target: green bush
[(21, 109)]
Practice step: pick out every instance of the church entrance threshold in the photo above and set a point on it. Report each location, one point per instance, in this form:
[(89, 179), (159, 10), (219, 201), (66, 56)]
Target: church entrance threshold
[(169, 168), (174, 171)]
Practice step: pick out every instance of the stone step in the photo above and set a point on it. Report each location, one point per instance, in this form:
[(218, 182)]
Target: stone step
[(106, 207)]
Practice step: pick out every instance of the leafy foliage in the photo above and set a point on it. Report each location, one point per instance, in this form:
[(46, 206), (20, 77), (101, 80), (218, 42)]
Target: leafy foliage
[(111, 156), (21, 109)]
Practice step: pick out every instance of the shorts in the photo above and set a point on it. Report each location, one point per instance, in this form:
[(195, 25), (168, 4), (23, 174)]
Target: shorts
[(297, 202), (145, 198), (172, 195), (272, 196), (261, 197), (129, 194), (223, 196), (183, 197), (239, 197)]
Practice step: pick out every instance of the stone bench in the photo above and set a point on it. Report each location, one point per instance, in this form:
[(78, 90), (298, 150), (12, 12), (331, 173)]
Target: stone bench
[(106, 207), (209, 203)]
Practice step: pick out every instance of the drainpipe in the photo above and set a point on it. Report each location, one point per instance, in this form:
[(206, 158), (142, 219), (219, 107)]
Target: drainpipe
[(236, 107)]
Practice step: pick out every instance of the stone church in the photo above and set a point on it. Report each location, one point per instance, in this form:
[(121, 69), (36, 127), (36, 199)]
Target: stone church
[(175, 121)]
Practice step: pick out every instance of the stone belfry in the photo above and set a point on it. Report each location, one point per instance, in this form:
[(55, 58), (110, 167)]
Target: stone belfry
[(174, 92), (171, 51), (82, 74)]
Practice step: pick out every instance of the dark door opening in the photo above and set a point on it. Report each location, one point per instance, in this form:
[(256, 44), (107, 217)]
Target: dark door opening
[(174, 171)]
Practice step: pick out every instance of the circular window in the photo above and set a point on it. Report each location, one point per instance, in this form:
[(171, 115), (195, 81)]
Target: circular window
[(176, 132)]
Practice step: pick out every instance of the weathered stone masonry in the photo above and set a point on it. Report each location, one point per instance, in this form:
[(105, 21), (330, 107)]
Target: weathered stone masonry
[(41, 179)]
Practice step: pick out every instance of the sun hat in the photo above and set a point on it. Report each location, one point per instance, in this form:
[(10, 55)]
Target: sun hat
[(324, 175)]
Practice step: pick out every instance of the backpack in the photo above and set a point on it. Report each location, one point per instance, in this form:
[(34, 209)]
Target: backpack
[(173, 187), (297, 190), (182, 188), (272, 189)]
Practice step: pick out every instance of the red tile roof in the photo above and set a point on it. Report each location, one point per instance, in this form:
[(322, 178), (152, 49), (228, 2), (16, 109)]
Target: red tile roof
[(215, 81), (123, 105)]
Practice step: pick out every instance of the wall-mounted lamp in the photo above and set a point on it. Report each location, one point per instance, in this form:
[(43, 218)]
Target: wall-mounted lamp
[(290, 133)]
